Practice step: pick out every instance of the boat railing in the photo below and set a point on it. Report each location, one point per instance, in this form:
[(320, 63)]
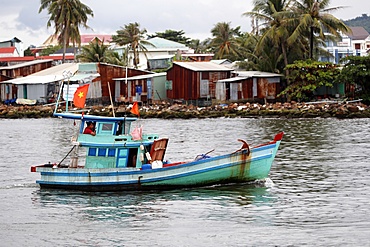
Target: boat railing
[(87, 138)]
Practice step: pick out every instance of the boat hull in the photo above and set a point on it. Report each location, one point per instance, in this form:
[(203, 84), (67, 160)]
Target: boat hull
[(242, 166)]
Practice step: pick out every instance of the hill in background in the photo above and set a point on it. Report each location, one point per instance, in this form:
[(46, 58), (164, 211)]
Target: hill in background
[(361, 21)]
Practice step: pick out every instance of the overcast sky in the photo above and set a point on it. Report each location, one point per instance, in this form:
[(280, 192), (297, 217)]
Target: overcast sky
[(20, 18)]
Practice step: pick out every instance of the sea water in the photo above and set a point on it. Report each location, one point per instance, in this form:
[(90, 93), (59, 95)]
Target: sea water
[(317, 193)]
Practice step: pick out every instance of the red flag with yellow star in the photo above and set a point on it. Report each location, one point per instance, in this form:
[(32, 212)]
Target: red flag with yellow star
[(79, 97)]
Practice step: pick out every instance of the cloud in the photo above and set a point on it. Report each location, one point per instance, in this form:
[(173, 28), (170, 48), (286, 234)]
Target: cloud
[(20, 18)]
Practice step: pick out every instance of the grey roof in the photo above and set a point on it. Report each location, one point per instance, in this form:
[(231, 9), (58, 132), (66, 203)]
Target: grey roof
[(69, 50), (160, 43), (233, 79), (46, 76), (140, 77), (202, 66), (249, 74), (358, 33), (221, 61)]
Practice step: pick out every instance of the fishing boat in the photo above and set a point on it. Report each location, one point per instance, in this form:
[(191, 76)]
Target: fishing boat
[(119, 156)]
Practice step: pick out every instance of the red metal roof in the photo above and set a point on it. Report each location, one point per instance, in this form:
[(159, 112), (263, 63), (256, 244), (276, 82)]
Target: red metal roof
[(7, 49), (16, 59), (31, 58), (87, 38)]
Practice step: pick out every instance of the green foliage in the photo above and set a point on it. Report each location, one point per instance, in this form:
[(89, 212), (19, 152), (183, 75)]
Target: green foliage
[(66, 16), (357, 71), (28, 52), (306, 76), (177, 36), (50, 50), (133, 37), (96, 52), (224, 42), (360, 21)]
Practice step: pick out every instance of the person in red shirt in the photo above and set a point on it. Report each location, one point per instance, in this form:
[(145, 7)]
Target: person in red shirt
[(90, 128)]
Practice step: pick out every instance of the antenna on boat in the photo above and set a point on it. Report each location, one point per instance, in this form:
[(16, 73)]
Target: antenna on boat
[(60, 92), (67, 74), (111, 101)]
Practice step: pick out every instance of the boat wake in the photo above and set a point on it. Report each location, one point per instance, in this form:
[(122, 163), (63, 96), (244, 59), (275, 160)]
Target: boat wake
[(21, 185)]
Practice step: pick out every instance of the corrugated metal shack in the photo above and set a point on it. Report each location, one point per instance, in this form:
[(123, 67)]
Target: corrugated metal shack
[(195, 82), (39, 86), (26, 68), (148, 88), (249, 85), (108, 72)]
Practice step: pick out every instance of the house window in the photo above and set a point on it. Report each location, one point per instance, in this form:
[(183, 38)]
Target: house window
[(204, 88), (357, 46)]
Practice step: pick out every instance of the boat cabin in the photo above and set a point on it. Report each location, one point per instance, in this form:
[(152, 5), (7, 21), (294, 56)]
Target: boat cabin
[(118, 144)]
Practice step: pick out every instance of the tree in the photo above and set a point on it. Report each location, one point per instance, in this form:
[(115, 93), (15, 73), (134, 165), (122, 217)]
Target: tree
[(357, 72), (306, 76), (177, 36), (97, 52), (66, 16), (200, 46), (274, 29), (93, 52), (133, 36), (313, 20), (224, 41), (50, 50)]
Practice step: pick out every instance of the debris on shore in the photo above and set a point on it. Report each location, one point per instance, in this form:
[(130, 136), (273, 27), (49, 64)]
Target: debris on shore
[(293, 109)]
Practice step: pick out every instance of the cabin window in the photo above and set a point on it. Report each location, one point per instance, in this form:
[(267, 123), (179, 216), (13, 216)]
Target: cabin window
[(123, 152), (111, 152), (102, 152), (92, 151), (122, 158), (105, 128)]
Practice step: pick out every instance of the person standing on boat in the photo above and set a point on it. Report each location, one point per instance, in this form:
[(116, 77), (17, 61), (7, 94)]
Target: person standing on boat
[(90, 128)]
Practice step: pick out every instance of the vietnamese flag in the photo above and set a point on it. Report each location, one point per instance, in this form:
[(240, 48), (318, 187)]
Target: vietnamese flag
[(135, 109), (79, 97)]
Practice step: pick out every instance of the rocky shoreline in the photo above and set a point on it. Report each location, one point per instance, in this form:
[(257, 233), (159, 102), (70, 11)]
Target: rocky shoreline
[(341, 110)]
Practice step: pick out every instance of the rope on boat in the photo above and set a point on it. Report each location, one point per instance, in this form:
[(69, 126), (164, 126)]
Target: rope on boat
[(66, 155)]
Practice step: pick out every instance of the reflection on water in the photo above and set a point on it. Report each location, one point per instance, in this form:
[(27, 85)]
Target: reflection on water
[(147, 205)]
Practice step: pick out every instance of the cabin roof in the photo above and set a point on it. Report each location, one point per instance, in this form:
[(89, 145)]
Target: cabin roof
[(70, 115)]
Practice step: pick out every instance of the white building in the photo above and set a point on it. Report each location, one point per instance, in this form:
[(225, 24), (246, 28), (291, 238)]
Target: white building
[(355, 44)]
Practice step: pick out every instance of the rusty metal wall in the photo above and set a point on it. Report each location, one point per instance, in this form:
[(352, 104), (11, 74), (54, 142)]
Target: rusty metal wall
[(186, 83)]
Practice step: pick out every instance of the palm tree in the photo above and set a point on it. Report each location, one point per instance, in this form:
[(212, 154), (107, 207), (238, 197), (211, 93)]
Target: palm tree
[(313, 18), (224, 40), (67, 16), (274, 29), (132, 36), (97, 52)]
